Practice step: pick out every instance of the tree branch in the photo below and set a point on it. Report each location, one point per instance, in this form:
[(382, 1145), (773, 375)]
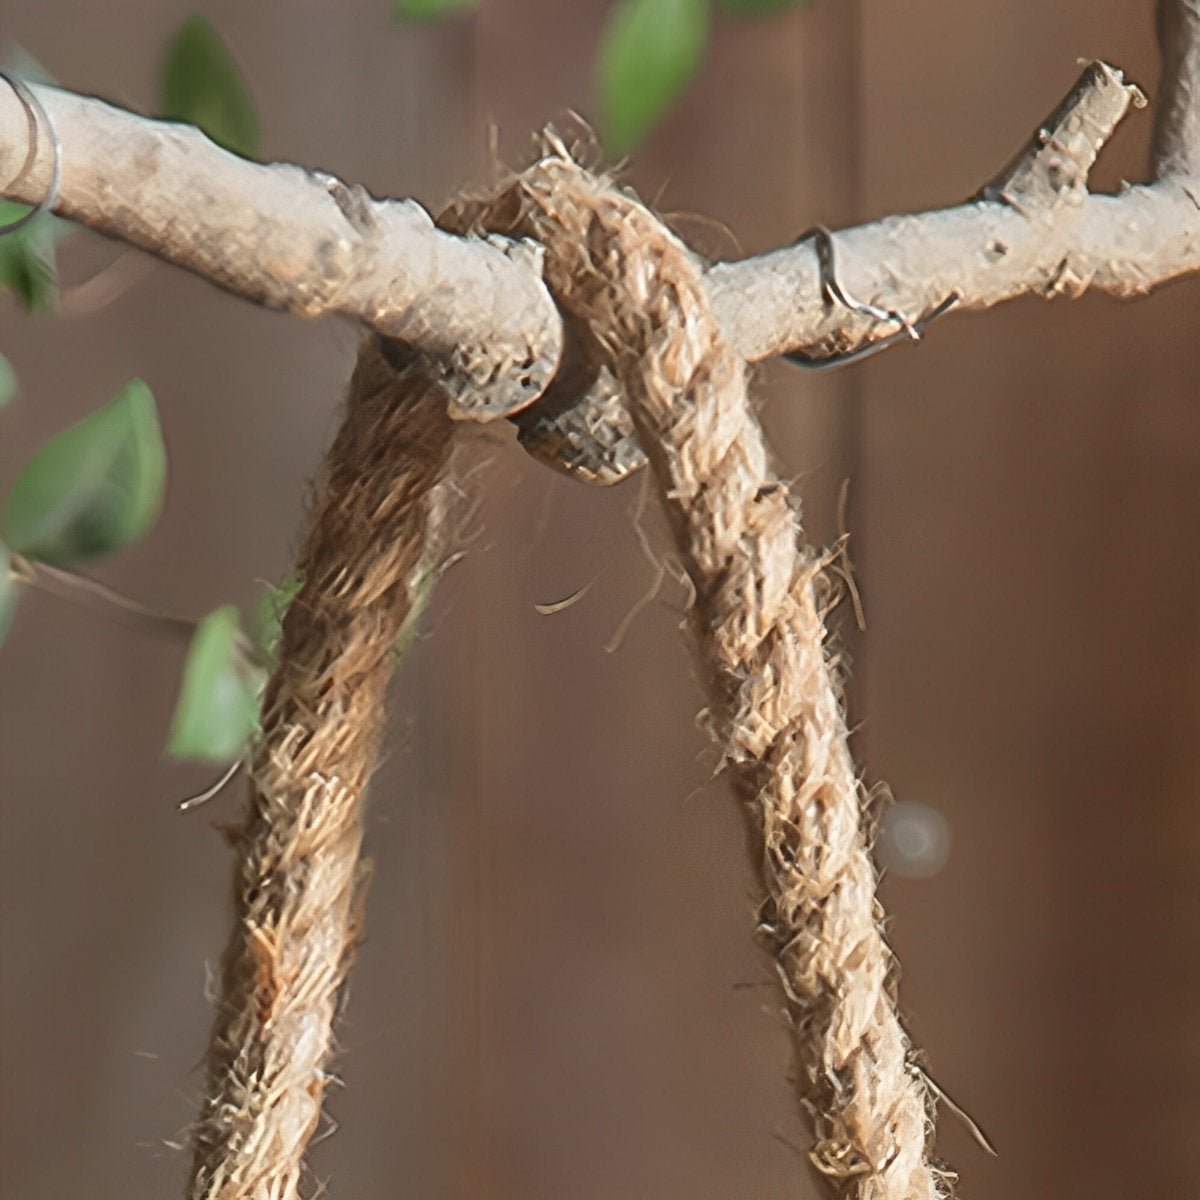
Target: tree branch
[(308, 243), (1035, 229), (1124, 245), (293, 239)]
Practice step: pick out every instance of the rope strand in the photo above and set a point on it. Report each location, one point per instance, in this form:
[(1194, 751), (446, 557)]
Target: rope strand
[(759, 628), (299, 881)]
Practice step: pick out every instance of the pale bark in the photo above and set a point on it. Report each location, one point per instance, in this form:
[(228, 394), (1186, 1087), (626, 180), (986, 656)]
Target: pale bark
[(291, 239), (308, 243)]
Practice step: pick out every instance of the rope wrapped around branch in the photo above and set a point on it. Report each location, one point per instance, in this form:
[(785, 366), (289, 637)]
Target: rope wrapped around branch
[(635, 299), (299, 882)]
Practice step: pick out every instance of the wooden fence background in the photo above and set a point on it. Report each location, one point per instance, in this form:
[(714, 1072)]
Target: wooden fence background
[(559, 997)]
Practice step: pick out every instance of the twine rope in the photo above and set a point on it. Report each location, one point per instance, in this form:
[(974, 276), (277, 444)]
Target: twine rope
[(299, 881), (634, 291), (632, 295)]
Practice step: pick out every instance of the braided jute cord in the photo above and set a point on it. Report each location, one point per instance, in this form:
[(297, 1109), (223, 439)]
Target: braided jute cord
[(299, 882), (633, 296), (635, 293)]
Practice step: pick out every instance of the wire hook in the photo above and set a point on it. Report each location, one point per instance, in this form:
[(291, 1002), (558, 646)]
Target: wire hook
[(834, 293), (35, 110)]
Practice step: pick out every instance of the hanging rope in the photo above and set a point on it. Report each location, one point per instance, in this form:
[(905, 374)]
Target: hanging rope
[(632, 293), (635, 291), (299, 881)]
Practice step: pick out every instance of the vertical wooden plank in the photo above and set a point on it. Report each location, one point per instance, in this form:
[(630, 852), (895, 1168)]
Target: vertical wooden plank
[(1027, 491)]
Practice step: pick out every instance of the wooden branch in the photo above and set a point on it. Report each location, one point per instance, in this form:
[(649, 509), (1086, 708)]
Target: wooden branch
[(308, 243), (293, 239), (1035, 229), (1124, 245)]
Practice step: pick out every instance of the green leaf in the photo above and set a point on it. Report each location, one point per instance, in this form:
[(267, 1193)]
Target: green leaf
[(431, 10), (8, 592), (267, 621), (217, 709), (203, 85), (93, 489), (649, 52), (27, 260), (422, 593), (8, 381), (754, 7)]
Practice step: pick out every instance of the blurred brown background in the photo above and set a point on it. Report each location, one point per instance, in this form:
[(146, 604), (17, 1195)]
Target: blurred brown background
[(559, 997)]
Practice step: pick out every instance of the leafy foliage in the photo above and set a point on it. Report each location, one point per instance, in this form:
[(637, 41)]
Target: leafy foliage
[(649, 52), (27, 261), (422, 594), (93, 489), (203, 85), (217, 709), (267, 621), (429, 10)]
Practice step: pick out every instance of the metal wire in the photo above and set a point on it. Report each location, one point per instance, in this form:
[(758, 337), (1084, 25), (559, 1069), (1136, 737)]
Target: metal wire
[(37, 114)]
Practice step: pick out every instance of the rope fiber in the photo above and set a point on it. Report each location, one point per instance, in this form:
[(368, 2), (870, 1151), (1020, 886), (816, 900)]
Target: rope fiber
[(634, 289)]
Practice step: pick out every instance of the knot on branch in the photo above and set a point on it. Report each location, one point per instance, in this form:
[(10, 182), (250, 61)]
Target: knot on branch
[(639, 316)]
